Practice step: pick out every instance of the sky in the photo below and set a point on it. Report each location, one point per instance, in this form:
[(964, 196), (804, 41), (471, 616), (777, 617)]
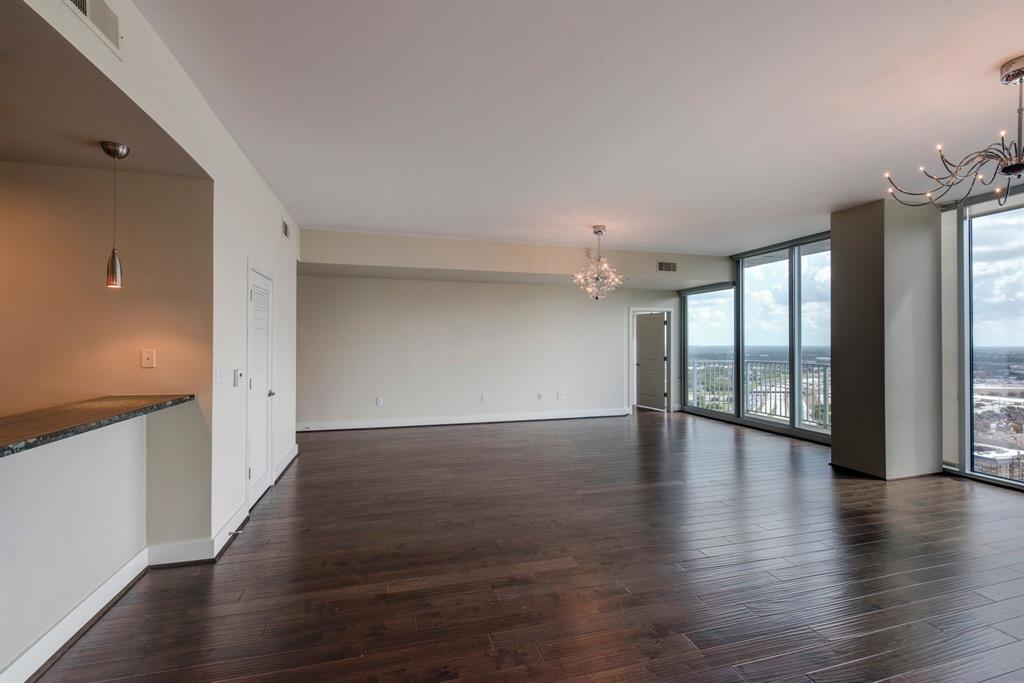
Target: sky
[(997, 275), (766, 306)]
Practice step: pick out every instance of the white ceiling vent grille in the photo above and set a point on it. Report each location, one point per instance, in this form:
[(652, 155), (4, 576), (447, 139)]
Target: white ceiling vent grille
[(98, 16), (666, 266)]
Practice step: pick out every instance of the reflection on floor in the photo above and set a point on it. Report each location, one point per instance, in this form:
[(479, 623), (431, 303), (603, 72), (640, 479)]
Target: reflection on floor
[(651, 547)]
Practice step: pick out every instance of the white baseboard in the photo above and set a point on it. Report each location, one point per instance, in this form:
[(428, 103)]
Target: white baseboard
[(222, 537), (29, 662), (457, 419), (183, 551), (285, 461)]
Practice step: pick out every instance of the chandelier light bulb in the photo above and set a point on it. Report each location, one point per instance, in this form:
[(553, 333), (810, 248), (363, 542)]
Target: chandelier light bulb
[(955, 180)]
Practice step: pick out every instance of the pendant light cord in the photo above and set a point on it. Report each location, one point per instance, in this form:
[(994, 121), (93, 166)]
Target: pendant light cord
[(114, 245)]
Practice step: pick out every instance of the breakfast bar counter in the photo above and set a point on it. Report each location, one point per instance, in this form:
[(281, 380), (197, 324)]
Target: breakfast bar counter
[(28, 430)]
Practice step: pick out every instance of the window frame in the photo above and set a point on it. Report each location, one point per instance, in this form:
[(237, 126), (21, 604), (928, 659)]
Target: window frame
[(965, 295), (792, 426), (684, 319)]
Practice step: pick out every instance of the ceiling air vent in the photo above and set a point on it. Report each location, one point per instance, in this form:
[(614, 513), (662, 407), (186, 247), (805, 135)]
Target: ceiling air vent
[(98, 16), (666, 266)]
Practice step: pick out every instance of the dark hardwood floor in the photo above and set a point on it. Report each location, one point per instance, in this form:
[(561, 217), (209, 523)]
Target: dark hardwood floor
[(619, 549)]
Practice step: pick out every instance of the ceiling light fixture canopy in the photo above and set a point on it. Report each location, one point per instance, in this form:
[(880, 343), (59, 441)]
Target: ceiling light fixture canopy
[(597, 278), (998, 161), (116, 151)]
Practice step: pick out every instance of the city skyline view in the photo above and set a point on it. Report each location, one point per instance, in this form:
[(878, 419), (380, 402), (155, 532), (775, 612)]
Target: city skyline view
[(997, 337)]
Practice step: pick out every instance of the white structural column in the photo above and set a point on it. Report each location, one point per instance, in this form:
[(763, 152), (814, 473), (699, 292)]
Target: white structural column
[(886, 340)]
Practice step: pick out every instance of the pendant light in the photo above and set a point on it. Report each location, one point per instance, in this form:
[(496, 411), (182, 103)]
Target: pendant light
[(116, 151)]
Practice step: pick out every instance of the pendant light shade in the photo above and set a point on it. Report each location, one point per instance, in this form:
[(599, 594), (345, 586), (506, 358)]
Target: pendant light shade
[(114, 270), (114, 150)]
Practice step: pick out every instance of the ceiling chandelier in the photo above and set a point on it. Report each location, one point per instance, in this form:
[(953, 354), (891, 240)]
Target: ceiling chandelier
[(597, 278), (996, 162)]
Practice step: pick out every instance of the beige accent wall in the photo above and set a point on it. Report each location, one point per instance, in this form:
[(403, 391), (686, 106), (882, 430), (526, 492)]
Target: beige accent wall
[(544, 262), (431, 349), (66, 336)]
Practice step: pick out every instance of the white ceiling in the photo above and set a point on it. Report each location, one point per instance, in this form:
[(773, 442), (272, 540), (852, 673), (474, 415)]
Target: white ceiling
[(702, 127)]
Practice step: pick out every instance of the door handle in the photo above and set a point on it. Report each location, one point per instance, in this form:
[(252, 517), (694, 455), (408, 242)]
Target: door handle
[(271, 393)]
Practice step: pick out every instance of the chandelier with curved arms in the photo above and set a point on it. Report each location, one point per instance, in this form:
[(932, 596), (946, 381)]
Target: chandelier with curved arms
[(999, 161)]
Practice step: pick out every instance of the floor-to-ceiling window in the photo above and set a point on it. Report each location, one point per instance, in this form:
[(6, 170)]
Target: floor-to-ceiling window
[(815, 334), (760, 350), (710, 336), (996, 349), (766, 376)]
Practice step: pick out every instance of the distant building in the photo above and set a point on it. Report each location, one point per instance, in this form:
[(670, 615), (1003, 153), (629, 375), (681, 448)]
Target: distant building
[(1003, 463)]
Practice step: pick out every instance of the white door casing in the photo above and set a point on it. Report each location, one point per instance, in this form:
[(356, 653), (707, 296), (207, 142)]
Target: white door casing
[(652, 360)]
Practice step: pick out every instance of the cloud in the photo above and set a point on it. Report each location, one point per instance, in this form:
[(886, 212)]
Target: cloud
[(997, 279)]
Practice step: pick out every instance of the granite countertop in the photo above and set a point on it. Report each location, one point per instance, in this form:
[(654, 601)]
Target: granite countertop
[(27, 430)]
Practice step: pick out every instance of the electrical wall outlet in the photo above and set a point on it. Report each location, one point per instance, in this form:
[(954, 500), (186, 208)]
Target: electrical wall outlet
[(483, 398), (380, 401), (540, 396), (560, 395), (149, 358)]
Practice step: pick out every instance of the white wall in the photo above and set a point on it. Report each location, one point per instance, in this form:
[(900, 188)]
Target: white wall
[(246, 226), (430, 349), (913, 341), (73, 513)]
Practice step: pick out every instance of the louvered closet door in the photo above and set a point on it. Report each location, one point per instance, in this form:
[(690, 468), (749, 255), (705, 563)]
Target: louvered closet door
[(259, 385)]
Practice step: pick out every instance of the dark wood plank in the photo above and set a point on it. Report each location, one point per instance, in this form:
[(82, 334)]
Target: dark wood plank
[(648, 548)]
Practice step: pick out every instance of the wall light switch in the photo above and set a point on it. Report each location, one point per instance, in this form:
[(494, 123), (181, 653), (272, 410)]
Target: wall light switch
[(218, 375), (149, 358), (239, 377), (380, 401), (540, 396), (560, 395)]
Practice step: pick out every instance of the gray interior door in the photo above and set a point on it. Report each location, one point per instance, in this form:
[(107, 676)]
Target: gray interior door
[(652, 361)]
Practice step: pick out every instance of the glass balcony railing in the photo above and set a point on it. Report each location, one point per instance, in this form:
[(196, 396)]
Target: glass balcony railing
[(712, 386)]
